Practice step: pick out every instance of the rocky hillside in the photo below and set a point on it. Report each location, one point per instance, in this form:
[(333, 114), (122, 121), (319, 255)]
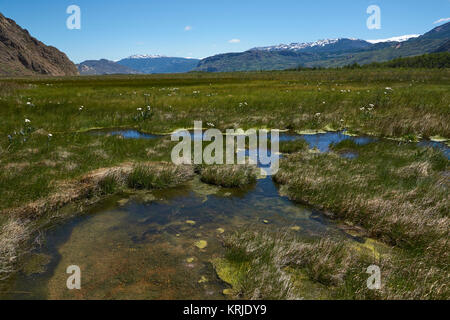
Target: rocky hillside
[(21, 54)]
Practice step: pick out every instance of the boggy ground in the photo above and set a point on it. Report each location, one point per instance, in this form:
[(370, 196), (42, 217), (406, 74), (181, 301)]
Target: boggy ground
[(397, 194), (415, 103)]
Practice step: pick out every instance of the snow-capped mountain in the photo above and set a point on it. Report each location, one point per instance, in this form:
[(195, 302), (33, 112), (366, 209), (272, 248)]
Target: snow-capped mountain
[(295, 46), (321, 46), (299, 46), (145, 56), (328, 53), (396, 39)]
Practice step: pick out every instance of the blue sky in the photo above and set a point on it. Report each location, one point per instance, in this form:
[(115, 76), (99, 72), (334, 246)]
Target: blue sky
[(115, 29)]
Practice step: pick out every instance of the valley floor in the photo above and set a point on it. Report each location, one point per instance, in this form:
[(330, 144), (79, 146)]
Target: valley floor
[(393, 197)]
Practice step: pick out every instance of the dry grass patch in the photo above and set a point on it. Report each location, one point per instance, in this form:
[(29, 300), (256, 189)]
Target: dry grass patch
[(280, 265), (13, 235)]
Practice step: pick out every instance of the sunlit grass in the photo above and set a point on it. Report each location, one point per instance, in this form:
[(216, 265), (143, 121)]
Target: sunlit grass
[(228, 176), (398, 193)]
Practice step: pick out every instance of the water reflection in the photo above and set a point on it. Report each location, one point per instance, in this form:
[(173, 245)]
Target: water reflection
[(321, 141), (143, 246)]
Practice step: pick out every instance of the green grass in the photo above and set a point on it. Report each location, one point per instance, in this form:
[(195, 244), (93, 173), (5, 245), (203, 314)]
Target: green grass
[(32, 169), (109, 184), (274, 99), (145, 176), (293, 146), (399, 193), (418, 105)]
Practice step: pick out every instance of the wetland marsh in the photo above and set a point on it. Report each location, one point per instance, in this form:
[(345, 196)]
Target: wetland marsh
[(363, 180)]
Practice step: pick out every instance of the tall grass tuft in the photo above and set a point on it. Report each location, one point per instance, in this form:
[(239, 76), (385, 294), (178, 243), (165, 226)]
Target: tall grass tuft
[(293, 146), (228, 176), (151, 176)]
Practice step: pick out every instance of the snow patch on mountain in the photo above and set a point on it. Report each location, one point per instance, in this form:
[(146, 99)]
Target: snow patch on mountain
[(298, 46), (396, 39), (145, 56)]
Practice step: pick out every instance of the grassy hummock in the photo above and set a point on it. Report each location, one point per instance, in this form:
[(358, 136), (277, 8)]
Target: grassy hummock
[(293, 146), (151, 176), (228, 176)]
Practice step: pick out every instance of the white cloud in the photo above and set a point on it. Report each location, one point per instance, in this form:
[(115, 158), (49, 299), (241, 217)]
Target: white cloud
[(234, 41), (441, 20), (188, 28)]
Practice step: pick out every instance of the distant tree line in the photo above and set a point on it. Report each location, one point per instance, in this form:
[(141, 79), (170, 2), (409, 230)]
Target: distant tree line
[(427, 61)]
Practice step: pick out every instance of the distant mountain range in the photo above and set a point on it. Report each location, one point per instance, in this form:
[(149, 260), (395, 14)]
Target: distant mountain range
[(103, 67), (317, 46), (139, 64), (159, 64), (328, 53), (322, 53), (21, 54), (396, 39)]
